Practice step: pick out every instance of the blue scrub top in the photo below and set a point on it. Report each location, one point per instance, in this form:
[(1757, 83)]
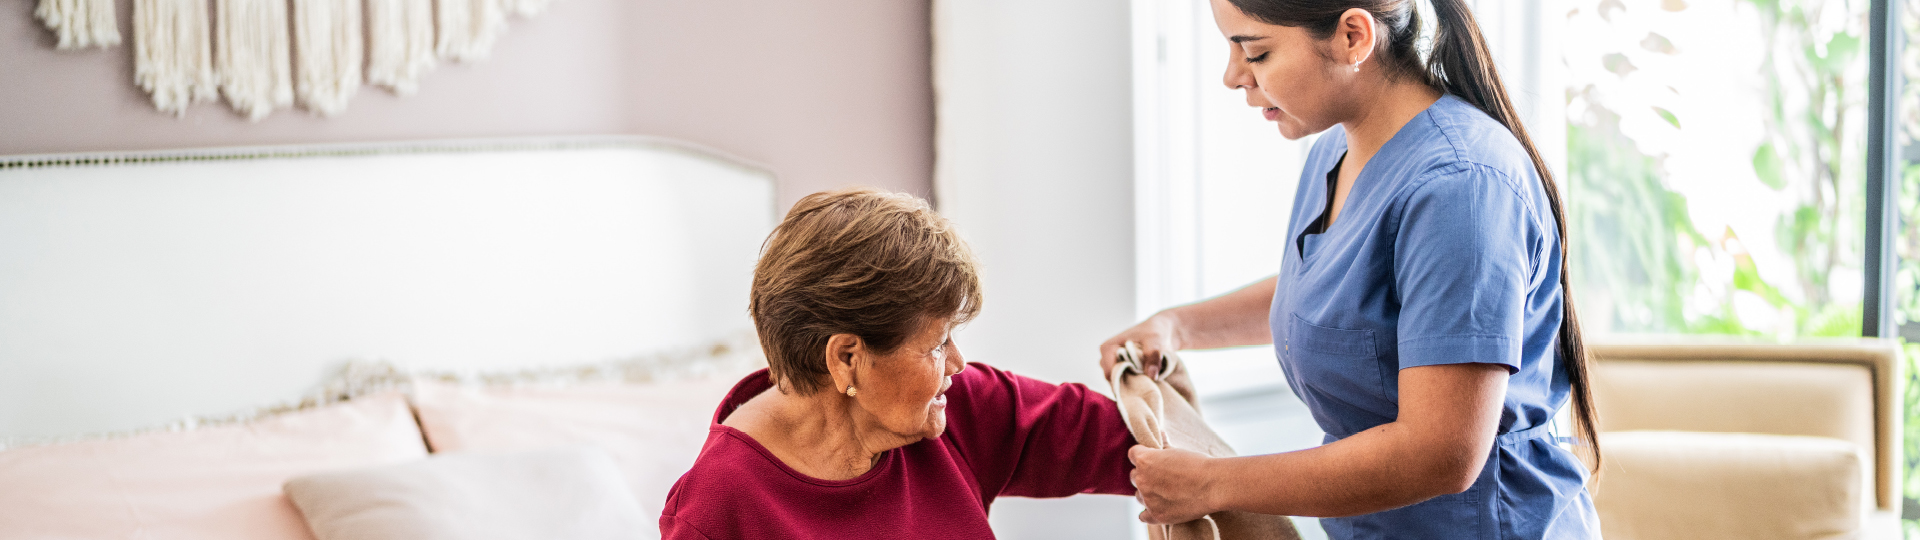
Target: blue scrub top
[(1445, 253)]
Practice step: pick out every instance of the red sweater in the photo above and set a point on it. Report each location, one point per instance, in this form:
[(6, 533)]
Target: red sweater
[(1006, 435)]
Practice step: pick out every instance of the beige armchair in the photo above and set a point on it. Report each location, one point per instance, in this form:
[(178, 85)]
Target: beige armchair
[(1712, 439)]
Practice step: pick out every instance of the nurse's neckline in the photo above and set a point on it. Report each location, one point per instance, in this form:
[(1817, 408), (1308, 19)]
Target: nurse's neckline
[(1351, 159), (1384, 124)]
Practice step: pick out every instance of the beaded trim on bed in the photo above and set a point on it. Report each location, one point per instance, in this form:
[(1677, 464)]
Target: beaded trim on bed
[(726, 357), (359, 378)]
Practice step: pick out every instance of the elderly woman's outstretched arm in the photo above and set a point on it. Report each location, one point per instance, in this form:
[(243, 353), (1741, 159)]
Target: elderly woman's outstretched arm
[(1027, 438)]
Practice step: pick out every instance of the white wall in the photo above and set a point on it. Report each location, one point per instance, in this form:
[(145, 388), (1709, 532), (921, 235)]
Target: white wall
[(1034, 163)]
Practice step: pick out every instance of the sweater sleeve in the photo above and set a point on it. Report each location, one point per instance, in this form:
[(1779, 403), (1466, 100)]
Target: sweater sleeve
[(672, 528), (1027, 438)]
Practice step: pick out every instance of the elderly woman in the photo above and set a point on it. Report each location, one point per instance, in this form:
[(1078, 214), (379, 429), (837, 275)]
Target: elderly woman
[(867, 422)]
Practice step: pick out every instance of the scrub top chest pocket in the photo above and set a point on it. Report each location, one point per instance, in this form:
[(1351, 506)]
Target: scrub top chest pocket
[(1335, 364)]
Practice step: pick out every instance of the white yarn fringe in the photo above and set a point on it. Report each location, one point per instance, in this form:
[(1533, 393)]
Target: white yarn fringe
[(527, 8), (255, 69), (80, 23), (468, 28), (330, 53), (171, 56), (400, 43)]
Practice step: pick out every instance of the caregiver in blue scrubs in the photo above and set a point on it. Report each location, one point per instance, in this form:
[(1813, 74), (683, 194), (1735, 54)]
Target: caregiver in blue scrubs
[(1422, 310)]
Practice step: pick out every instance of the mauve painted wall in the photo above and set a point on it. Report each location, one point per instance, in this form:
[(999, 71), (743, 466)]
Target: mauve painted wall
[(826, 92)]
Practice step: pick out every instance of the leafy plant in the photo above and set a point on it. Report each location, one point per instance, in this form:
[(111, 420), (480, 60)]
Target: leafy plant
[(1814, 96), (1639, 254)]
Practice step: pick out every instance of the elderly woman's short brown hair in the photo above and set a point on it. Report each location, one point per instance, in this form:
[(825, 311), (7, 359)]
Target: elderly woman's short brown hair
[(870, 263)]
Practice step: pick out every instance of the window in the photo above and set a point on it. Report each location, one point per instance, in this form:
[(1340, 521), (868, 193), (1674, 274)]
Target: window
[(1717, 154), (1905, 243), (1722, 176)]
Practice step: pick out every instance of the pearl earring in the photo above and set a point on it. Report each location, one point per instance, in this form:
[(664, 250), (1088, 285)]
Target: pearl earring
[(852, 392), (1356, 67)]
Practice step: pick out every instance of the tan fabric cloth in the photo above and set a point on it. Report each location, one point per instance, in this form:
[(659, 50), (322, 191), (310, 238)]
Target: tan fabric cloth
[(1163, 415)]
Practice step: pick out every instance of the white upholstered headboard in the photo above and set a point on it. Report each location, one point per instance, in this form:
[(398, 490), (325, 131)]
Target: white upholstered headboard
[(139, 288)]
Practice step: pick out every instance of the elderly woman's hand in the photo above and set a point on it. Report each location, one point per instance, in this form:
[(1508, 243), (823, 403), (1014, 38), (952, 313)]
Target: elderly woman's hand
[(1173, 484)]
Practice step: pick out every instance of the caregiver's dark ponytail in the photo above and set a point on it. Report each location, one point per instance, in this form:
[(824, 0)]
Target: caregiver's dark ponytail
[(1460, 64)]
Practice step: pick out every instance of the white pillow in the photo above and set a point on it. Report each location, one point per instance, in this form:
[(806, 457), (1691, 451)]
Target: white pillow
[(653, 431), (561, 494)]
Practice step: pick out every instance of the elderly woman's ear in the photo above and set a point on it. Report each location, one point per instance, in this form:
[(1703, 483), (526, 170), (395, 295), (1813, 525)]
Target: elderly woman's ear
[(843, 353)]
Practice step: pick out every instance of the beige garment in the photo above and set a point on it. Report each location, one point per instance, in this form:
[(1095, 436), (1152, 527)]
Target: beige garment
[(1158, 422)]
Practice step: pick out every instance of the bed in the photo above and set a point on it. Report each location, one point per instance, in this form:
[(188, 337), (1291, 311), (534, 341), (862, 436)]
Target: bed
[(186, 336), (138, 288)]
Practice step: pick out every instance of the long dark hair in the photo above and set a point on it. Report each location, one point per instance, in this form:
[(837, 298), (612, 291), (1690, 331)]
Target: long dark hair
[(1460, 64)]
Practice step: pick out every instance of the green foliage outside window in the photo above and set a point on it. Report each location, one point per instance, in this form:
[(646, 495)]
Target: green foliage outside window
[(1643, 261), (1906, 245)]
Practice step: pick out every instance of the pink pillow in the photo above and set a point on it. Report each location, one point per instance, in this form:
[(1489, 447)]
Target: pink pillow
[(211, 483), (653, 432)]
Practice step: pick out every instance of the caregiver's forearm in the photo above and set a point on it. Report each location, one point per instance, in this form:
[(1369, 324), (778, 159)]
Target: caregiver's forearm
[(1448, 416), (1362, 474), (1230, 320)]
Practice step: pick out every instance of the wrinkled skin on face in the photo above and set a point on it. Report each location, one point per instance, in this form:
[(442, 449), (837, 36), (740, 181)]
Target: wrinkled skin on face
[(903, 392), (899, 399)]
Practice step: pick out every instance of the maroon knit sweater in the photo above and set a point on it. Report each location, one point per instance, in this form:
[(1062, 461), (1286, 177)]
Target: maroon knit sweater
[(1007, 435)]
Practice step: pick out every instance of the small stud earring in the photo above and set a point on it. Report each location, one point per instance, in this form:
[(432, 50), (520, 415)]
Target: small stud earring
[(1356, 67), (852, 392)]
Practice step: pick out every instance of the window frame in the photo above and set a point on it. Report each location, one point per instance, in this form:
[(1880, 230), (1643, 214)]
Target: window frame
[(1882, 216)]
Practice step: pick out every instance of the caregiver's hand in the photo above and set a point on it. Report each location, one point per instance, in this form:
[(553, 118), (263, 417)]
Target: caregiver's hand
[(1153, 335), (1173, 484)]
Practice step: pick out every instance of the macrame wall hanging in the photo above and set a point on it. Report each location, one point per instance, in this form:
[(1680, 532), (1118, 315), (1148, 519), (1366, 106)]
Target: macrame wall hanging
[(468, 27), (172, 53), (191, 51), (255, 66), (528, 8), (329, 54), (80, 23), (399, 43)]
